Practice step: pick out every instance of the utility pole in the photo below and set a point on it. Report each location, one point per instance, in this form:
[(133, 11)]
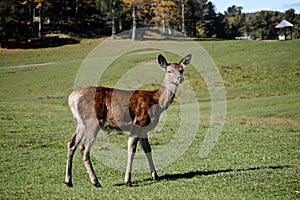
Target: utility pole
[(133, 21), (113, 21), (40, 19), (182, 15), (76, 13)]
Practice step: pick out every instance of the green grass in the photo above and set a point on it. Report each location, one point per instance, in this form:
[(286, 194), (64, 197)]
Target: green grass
[(256, 157)]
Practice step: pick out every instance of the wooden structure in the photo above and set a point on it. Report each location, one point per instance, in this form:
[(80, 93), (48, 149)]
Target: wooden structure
[(285, 26)]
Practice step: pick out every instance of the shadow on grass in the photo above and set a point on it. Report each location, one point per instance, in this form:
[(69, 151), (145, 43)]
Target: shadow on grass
[(34, 43), (208, 173), (187, 175)]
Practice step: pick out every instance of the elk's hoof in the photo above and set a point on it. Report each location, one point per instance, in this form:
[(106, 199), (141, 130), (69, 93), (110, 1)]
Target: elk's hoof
[(129, 184), (69, 184), (97, 185), (154, 176)]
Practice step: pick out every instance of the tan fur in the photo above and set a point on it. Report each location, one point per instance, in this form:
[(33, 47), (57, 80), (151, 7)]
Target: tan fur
[(136, 111)]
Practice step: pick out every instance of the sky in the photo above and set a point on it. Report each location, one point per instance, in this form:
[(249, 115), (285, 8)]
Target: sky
[(258, 5)]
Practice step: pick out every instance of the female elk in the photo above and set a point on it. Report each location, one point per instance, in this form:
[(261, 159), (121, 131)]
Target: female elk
[(135, 111)]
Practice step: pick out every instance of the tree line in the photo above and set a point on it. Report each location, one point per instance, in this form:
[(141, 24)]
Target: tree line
[(23, 19)]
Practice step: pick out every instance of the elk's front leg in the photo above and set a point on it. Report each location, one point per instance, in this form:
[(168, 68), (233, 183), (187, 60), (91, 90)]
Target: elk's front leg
[(144, 142), (132, 143)]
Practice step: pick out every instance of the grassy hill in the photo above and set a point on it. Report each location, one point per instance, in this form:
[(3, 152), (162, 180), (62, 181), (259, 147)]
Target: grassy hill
[(256, 157)]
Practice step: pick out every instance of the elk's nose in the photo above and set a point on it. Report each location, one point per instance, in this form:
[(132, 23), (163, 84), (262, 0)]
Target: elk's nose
[(180, 79)]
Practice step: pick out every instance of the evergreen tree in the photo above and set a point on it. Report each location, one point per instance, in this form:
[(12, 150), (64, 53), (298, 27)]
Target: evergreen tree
[(234, 21)]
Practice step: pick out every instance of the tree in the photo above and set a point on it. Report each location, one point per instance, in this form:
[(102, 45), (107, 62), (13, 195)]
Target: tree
[(290, 16), (23, 19), (39, 6), (263, 24), (296, 28), (234, 21), (210, 20), (220, 26), (165, 15), (155, 13), (8, 9), (195, 10), (134, 5)]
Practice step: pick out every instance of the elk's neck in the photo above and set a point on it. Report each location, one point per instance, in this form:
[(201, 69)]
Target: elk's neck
[(166, 94)]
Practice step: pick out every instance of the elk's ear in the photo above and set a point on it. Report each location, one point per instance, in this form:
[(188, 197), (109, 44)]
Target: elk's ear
[(186, 60), (162, 61)]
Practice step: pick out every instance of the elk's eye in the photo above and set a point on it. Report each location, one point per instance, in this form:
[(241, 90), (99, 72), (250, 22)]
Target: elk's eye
[(169, 71)]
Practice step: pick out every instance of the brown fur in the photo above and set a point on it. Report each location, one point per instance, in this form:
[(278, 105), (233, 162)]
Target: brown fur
[(136, 111)]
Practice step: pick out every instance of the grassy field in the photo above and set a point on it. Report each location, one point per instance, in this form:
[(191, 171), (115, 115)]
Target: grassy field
[(256, 157)]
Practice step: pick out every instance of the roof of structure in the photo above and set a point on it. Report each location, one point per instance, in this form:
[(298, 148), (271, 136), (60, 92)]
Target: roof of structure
[(283, 24)]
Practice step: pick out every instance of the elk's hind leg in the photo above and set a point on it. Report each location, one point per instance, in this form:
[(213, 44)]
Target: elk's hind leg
[(74, 100), (85, 148), (72, 145)]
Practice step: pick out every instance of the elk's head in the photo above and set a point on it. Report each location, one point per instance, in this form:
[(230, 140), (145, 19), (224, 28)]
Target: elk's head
[(174, 71)]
